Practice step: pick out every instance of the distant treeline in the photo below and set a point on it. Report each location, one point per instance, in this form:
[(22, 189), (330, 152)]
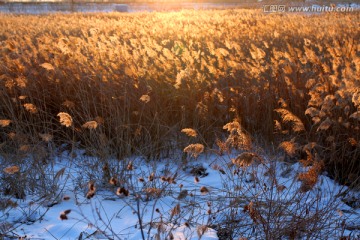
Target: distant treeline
[(180, 1), (133, 1)]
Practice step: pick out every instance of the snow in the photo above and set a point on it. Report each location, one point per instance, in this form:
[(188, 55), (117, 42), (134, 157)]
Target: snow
[(107, 215)]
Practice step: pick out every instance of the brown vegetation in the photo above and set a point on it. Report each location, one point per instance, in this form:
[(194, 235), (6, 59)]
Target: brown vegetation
[(127, 84)]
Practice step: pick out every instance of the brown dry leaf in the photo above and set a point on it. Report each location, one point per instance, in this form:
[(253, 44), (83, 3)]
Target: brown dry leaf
[(282, 103), (196, 179), (289, 147), (66, 198), (356, 98), (91, 186), (310, 146), (352, 141), (289, 117), (190, 132), (65, 119), (244, 159), (316, 120), (67, 211), (307, 42), (5, 122), (222, 51), (122, 192), (90, 125), (237, 138), (312, 112), (310, 177), (204, 190), (222, 146), (90, 194), (356, 115), (30, 108), (277, 126), (194, 149), (325, 125), (22, 97), (47, 66), (155, 192), (151, 177), (145, 98), (130, 166), (63, 216), (21, 82), (183, 194), (9, 83), (113, 181), (12, 169), (234, 125), (175, 210)]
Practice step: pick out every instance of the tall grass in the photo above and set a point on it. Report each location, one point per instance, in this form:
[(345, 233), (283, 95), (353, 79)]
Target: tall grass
[(139, 79)]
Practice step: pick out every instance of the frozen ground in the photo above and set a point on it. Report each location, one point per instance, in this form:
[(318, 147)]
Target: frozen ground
[(179, 207)]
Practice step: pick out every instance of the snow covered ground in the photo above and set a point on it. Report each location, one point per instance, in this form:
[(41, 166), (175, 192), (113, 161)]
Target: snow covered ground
[(193, 201)]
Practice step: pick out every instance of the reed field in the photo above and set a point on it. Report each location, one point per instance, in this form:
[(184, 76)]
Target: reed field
[(118, 85)]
